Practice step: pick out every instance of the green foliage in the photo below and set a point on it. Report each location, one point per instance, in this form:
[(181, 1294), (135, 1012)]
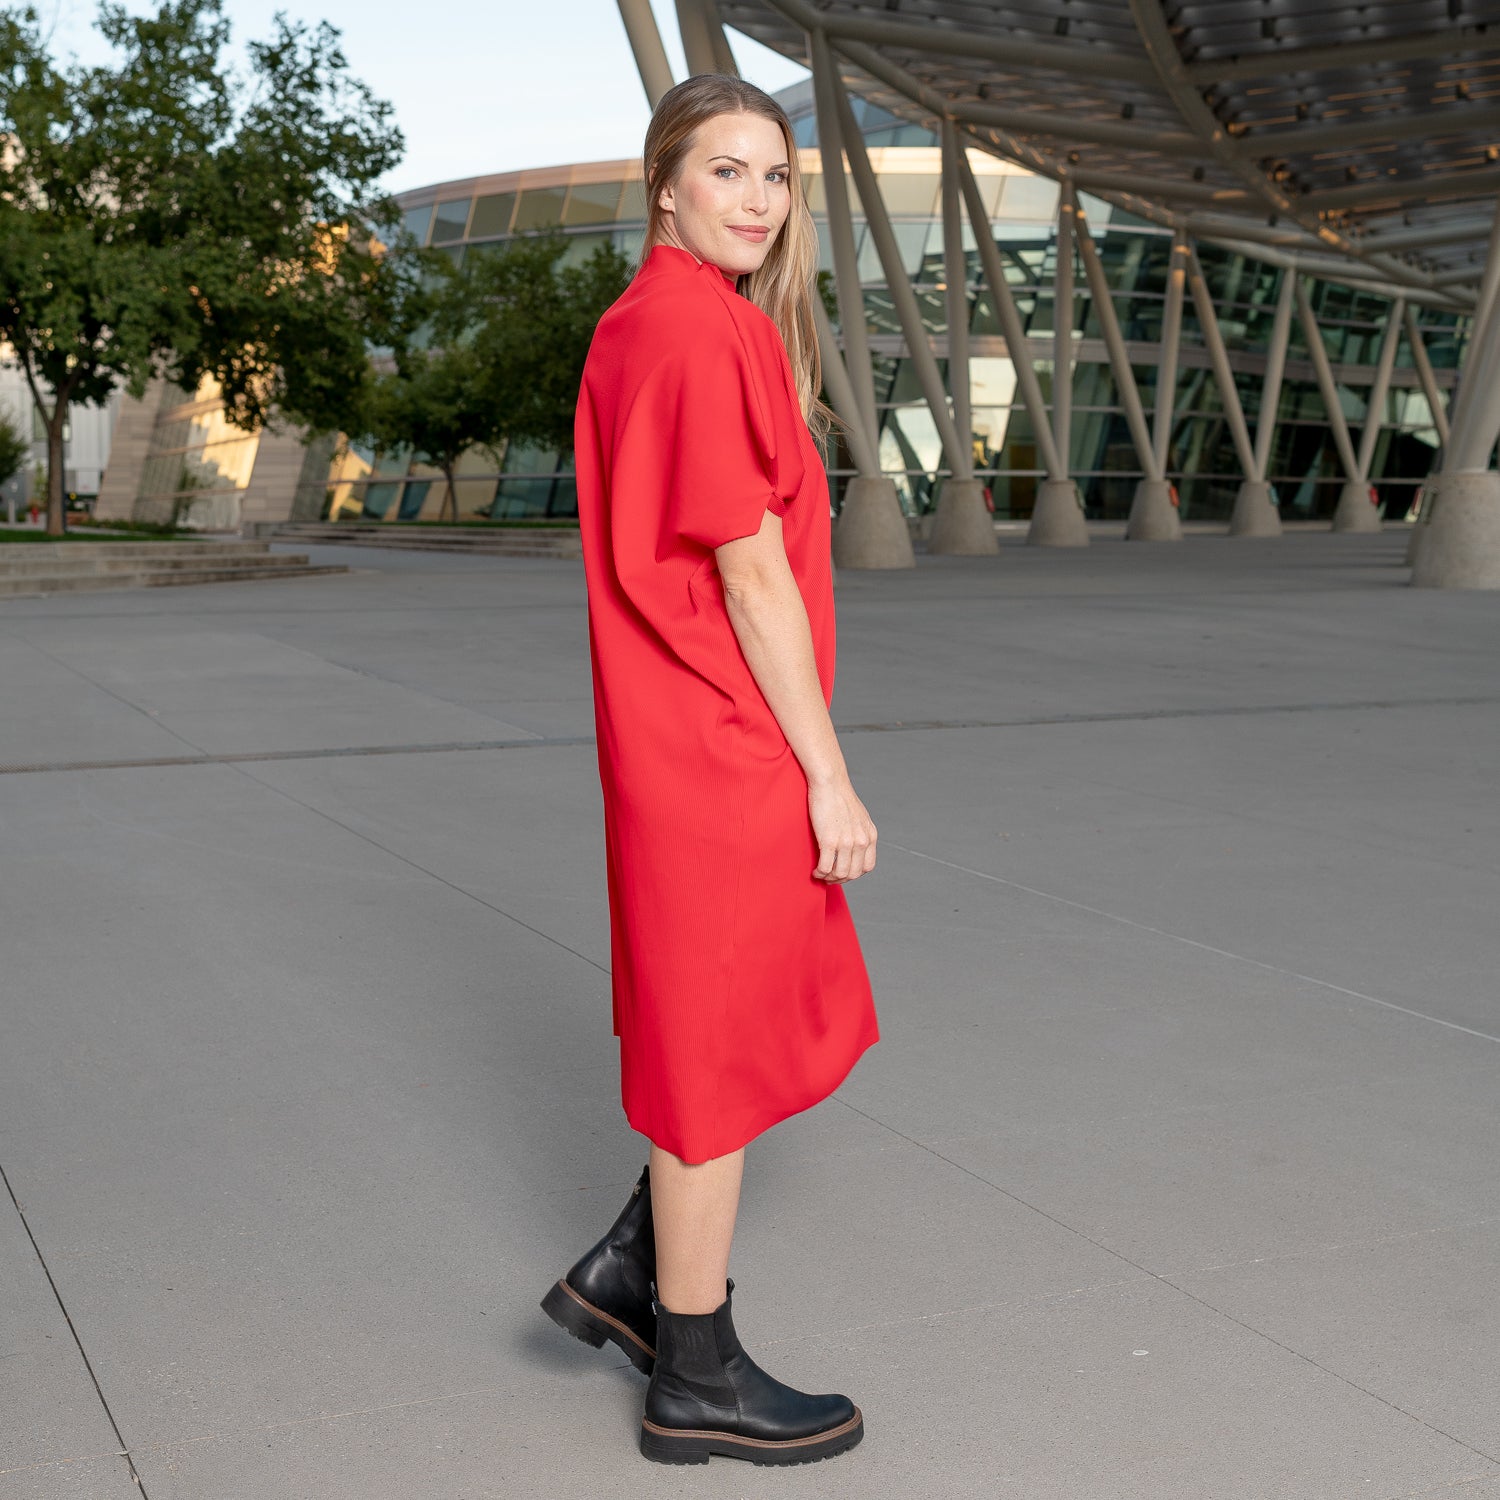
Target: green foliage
[(15, 448), (160, 216), (488, 353)]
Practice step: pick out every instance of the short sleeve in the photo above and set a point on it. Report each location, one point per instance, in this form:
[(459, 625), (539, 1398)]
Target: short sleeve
[(721, 465)]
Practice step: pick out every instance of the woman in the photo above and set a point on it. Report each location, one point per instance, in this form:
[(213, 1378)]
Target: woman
[(740, 996)]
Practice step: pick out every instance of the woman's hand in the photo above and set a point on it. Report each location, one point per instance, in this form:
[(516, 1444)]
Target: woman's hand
[(845, 834)]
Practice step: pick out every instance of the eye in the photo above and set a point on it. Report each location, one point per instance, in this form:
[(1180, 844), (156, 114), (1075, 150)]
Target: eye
[(725, 172), (776, 176)]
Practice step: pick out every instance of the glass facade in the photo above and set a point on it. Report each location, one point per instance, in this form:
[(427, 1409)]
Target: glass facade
[(595, 203), (197, 464)]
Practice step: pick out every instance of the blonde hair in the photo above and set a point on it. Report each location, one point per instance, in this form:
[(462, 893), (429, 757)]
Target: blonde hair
[(783, 288)]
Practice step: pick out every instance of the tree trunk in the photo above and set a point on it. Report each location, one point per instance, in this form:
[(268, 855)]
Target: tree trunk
[(450, 502), (57, 524)]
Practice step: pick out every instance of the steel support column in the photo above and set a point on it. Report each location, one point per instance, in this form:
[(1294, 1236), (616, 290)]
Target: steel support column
[(1357, 508), (1064, 317), (1057, 518), (961, 523), (697, 37), (1327, 386), (841, 231), (645, 42), (956, 276), (1153, 515), (1428, 380), (723, 55), (1229, 393), (1165, 395), (1255, 512)]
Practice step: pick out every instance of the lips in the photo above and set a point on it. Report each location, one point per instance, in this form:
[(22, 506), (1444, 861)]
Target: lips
[(755, 233)]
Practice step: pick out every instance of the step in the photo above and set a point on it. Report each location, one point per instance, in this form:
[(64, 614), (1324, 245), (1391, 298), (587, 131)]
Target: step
[(228, 548), (68, 566), (83, 582)]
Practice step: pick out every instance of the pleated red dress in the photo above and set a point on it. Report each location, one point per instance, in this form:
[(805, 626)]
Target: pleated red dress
[(740, 994)]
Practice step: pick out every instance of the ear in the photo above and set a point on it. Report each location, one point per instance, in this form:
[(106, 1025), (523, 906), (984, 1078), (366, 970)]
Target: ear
[(665, 200)]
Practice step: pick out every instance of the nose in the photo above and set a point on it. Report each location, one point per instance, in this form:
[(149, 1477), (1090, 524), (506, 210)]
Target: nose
[(756, 199)]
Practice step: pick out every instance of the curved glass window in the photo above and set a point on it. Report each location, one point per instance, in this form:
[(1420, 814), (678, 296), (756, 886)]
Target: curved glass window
[(540, 208), (450, 221), (492, 215), (592, 203)]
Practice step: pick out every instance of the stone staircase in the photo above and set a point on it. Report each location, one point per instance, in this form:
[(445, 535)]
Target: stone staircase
[(486, 541), (69, 567)]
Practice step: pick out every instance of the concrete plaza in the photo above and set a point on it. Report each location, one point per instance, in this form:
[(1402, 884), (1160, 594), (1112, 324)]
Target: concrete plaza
[(1174, 1175)]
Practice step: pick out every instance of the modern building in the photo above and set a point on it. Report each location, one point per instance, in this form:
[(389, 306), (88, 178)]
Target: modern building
[(86, 440), (1259, 319)]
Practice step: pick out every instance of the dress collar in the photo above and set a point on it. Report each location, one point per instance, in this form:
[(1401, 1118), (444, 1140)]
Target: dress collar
[(663, 257)]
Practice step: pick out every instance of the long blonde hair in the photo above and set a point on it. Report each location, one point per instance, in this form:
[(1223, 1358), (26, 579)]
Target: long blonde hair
[(783, 288)]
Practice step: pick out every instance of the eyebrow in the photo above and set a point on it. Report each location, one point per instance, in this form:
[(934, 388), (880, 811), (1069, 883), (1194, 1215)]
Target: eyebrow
[(780, 166)]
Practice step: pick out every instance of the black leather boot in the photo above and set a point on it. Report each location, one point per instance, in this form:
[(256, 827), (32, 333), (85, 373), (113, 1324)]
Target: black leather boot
[(607, 1295), (708, 1396)]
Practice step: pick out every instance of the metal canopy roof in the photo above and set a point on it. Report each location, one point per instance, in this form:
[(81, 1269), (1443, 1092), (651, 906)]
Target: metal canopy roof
[(1363, 139)]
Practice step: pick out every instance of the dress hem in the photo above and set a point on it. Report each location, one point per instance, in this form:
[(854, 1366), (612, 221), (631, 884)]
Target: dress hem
[(765, 1121)]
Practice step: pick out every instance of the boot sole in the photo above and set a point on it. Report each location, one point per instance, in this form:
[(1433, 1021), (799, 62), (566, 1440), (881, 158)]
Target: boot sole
[(593, 1326), (673, 1445)]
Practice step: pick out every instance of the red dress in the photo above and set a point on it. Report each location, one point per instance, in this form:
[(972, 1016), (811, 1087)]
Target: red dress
[(740, 994)]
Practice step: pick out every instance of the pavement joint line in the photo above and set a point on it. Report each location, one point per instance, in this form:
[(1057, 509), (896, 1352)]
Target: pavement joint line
[(431, 874), (1177, 937), (894, 726), (62, 1307), (1164, 1280)]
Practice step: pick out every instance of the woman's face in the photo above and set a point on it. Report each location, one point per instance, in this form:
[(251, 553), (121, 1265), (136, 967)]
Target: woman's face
[(733, 194)]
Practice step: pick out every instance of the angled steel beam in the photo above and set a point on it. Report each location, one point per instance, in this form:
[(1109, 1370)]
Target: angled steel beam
[(1450, 42), (1481, 182), (1077, 128), (918, 344), (1428, 380), (1394, 125), (841, 394), (841, 232), (645, 42), (1327, 386), (723, 56), (697, 37), (1156, 35), (1016, 343), (1063, 312), (1172, 74), (1165, 395), (956, 275), (1270, 391), (1375, 406), (1119, 358), (1418, 238), (1218, 355), (1018, 49)]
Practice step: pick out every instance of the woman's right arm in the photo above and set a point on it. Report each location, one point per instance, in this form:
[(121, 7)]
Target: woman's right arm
[(770, 621)]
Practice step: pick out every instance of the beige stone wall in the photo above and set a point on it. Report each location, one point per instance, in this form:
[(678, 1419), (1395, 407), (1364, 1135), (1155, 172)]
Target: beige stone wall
[(273, 483), (129, 446)]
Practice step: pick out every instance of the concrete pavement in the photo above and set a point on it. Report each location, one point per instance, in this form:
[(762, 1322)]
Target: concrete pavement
[(1173, 1176)]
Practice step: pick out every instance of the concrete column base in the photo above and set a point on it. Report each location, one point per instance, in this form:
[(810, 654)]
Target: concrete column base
[(1255, 512), (1057, 518), (871, 531), (1153, 516), (1460, 544), (961, 524), (1355, 512)]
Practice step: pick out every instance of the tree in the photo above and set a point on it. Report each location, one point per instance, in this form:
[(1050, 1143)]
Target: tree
[(159, 216), (489, 353)]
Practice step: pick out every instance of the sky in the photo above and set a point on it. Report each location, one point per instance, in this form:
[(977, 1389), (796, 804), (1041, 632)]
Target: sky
[(476, 88)]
